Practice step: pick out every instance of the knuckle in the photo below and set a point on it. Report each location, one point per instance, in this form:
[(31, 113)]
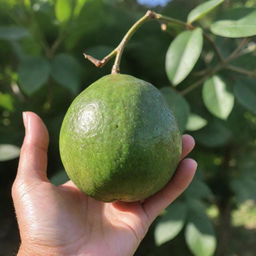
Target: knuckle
[(15, 188), (20, 188)]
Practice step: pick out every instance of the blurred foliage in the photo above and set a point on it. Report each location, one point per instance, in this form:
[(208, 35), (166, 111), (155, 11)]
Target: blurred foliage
[(213, 69)]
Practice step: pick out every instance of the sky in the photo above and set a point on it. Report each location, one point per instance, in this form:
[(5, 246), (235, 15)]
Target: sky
[(153, 3)]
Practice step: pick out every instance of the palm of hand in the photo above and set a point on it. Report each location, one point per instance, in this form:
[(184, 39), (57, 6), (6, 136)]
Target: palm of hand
[(71, 221), (64, 221)]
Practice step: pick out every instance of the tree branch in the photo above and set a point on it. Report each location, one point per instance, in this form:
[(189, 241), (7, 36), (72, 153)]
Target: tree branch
[(241, 71), (214, 46), (236, 52), (202, 80), (118, 51), (224, 64)]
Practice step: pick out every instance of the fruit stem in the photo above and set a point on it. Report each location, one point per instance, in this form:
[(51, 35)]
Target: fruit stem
[(118, 51), (100, 63), (120, 48), (170, 20)]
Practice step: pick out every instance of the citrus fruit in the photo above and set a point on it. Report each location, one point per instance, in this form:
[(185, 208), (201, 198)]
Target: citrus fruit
[(119, 140)]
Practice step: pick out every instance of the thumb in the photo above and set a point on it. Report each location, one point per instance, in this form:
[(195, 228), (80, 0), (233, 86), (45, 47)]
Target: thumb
[(33, 157)]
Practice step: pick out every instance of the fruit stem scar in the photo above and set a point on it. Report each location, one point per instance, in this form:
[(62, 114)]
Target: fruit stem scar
[(118, 51)]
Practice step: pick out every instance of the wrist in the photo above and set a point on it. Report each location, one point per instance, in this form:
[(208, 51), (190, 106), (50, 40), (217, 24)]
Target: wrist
[(38, 251), (28, 250), (22, 251)]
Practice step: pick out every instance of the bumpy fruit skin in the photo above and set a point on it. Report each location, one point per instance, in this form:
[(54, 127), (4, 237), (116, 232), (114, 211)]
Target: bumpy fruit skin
[(119, 140)]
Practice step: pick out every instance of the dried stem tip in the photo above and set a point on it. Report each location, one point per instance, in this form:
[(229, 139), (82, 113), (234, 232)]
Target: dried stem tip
[(151, 14), (95, 61)]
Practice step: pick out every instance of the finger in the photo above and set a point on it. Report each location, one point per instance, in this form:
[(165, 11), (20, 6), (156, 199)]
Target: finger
[(33, 157), (154, 205), (69, 184), (188, 144)]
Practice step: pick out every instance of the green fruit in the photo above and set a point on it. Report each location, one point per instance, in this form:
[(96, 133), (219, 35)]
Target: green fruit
[(119, 140)]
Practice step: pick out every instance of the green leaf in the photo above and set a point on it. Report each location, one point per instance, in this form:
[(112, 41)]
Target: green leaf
[(199, 234), (198, 189), (18, 50), (8, 152), (59, 178), (195, 122), (244, 183), (246, 94), (33, 73), (218, 100), (243, 27), (244, 187), (246, 61), (178, 105), (27, 3), (183, 54), (195, 207), (13, 33), (6, 101), (63, 10), (66, 71), (235, 13), (202, 9), (79, 5), (171, 223), (215, 134)]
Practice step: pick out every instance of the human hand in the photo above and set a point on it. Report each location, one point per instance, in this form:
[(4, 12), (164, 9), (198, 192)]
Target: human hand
[(61, 220)]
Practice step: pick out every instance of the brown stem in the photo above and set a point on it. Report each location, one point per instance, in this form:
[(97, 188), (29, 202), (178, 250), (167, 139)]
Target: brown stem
[(241, 71), (224, 64), (166, 19), (120, 48), (224, 227), (100, 63), (224, 196), (118, 51), (214, 46), (55, 46), (202, 80), (236, 52)]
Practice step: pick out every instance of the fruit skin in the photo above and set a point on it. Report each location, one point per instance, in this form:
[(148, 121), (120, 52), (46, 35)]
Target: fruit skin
[(119, 140)]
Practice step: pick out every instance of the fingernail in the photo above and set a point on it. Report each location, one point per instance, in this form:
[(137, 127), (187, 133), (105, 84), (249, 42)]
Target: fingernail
[(24, 117), (26, 122), (194, 163)]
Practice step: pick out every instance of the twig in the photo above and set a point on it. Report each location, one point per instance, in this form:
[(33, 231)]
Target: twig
[(201, 72), (241, 70), (166, 19), (118, 51), (55, 46), (100, 63), (236, 52), (214, 46), (120, 48), (224, 64), (201, 81)]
